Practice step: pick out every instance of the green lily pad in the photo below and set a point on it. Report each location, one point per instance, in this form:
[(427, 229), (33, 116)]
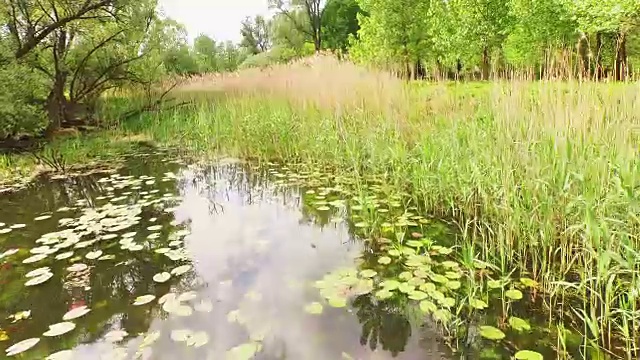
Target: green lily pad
[(414, 243), (478, 304), (406, 287), (453, 285), (368, 273), (77, 267), (448, 302), (390, 284), (405, 275), (491, 333), (449, 264), (144, 299), (417, 295), (383, 294), (245, 351), (394, 252), (384, 260), (427, 306), (519, 324), (59, 329), (42, 217), (314, 308), (494, 284), (528, 283), (528, 355), (513, 294), (337, 302), (439, 278)]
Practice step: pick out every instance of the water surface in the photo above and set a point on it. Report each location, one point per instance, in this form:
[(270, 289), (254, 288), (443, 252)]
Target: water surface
[(253, 253)]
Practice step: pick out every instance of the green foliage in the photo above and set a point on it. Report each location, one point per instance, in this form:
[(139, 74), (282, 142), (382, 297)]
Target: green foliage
[(20, 112), (255, 35), (339, 22)]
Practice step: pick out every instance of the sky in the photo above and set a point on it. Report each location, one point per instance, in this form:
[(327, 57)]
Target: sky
[(219, 19)]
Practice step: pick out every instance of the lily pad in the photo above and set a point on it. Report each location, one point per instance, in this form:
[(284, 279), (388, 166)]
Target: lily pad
[(491, 333), (5, 230), (180, 270), (144, 299), (187, 296), (243, 352), (92, 255), (64, 255), (337, 302), (417, 295), (61, 355), (154, 227), (77, 267), (383, 294), (18, 226), (76, 313), (528, 355), (314, 308), (42, 217), (38, 272), (368, 273), (34, 258), (390, 284), (161, 277), (384, 260), (115, 336), (519, 324), (478, 304), (21, 346), (513, 294), (427, 306), (39, 279), (59, 329), (528, 283)]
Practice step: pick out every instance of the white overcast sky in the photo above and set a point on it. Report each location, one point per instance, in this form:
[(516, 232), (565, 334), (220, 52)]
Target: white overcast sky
[(219, 19)]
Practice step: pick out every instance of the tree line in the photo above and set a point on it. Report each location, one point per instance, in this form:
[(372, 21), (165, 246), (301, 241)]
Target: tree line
[(58, 58)]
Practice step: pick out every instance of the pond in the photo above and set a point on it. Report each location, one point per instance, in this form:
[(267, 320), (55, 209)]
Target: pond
[(163, 260)]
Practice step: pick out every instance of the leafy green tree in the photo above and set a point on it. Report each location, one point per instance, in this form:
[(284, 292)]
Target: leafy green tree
[(310, 23), (255, 34), (339, 22)]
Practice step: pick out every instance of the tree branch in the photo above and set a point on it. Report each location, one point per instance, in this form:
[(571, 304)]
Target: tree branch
[(35, 39)]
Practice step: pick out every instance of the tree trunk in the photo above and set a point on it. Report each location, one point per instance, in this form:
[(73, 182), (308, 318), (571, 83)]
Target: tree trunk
[(56, 105), (621, 57), (583, 52), (598, 62), (485, 63)]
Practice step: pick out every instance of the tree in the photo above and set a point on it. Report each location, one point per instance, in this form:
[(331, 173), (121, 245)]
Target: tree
[(313, 12), (207, 53), (339, 22), (82, 49), (395, 33), (255, 34)]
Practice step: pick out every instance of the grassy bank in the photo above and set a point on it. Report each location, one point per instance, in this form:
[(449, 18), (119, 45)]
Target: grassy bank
[(543, 178)]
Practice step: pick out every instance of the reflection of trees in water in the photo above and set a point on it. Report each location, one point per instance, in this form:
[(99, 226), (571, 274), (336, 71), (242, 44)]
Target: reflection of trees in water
[(383, 323)]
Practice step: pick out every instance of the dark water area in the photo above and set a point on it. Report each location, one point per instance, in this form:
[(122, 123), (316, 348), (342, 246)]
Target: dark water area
[(238, 255)]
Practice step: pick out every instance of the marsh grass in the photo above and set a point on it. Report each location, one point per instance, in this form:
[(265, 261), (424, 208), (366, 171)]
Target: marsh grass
[(543, 175)]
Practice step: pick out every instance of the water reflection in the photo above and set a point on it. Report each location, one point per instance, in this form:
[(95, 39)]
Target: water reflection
[(255, 250)]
